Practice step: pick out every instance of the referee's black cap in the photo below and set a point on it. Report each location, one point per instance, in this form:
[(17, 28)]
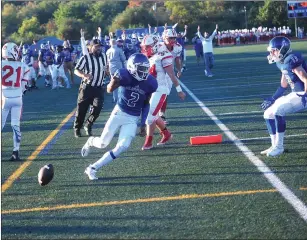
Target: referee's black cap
[(95, 42)]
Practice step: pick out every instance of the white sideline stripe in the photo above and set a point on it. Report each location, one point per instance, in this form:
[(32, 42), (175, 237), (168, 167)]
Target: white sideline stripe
[(234, 113), (290, 197), (287, 136)]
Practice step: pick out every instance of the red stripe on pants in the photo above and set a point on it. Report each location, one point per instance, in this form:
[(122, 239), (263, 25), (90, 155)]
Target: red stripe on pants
[(162, 100)]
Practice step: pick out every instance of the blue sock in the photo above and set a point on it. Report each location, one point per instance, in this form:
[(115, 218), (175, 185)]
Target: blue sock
[(280, 123), (270, 123)]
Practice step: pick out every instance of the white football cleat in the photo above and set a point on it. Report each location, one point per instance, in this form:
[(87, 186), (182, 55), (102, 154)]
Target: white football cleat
[(91, 173), (275, 151), (264, 152), (86, 148)]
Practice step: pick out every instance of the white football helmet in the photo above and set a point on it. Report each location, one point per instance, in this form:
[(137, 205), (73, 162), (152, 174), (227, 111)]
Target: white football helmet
[(149, 45), (10, 50), (169, 33), (169, 37)]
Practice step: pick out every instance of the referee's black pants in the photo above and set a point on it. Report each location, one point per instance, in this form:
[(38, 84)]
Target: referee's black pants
[(87, 96)]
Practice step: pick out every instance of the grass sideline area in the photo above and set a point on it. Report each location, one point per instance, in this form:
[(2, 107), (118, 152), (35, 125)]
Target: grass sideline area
[(177, 191)]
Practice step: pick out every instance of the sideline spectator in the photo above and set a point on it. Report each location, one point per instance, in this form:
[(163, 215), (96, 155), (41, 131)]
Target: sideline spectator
[(117, 60), (208, 50)]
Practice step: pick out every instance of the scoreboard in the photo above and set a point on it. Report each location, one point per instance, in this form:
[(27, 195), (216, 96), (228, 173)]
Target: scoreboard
[(297, 9)]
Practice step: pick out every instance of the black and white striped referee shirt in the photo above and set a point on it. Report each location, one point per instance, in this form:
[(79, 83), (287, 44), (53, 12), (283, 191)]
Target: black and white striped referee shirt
[(96, 66)]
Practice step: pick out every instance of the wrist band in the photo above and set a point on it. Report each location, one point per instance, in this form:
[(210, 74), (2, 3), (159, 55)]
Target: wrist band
[(178, 88)]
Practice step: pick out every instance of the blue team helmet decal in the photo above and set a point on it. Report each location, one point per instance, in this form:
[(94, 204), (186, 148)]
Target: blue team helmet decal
[(138, 66)]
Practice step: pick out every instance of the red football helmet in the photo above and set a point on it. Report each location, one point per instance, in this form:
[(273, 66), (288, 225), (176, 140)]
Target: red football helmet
[(149, 45)]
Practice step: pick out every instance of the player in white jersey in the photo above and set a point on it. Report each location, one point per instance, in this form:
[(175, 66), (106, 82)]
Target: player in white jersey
[(161, 67), (170, 44), (15, 76)]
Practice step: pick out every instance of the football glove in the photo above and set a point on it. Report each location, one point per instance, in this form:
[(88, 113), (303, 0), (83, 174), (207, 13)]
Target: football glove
[(303, 98), (267, 103)]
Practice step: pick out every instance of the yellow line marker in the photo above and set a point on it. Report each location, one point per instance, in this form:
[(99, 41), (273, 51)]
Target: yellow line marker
[(8, 183), (303, 188), (142, 200)]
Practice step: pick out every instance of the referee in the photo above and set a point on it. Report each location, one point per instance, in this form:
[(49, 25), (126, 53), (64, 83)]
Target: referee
[(92, 68)]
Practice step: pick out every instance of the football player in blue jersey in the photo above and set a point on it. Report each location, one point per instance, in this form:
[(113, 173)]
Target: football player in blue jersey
[(293, 68), (135, 86), (43, 66), (27, 58)]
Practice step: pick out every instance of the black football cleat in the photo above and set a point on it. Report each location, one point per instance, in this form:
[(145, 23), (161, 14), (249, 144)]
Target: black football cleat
[(88, 130), (77, 133), (15, 156)]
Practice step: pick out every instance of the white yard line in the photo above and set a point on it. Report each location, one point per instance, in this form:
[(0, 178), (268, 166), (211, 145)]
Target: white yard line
[(287, 194), (286, 136), (235, 113)]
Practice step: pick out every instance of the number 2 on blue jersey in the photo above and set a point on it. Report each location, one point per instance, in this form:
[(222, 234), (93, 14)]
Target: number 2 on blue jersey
[(134, 98)]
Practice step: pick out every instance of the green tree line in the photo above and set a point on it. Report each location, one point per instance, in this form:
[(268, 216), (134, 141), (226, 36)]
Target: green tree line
[(25, 21)]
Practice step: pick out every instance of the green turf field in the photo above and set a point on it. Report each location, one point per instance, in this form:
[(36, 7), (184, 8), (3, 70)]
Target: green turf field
[(178, 191)]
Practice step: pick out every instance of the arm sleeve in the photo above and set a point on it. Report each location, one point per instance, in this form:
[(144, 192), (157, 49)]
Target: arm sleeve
[(81, 63), (212, 35), (83, 46)]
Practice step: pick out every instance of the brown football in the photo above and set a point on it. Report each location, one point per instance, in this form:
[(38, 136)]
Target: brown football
[(45, 174)]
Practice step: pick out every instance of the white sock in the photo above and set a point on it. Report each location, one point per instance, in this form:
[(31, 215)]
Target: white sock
[(106, 158), (273, 140), (280, 139)]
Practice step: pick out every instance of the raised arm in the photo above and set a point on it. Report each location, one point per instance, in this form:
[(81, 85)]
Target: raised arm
[(83, 44)]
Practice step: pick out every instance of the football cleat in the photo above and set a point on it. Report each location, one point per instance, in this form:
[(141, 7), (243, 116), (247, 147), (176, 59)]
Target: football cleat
[(166, 136), (91, 173), (77, 133), (147, 146), (15, 156), (276, 151), (86, 148), (264, 152), (88, 130)]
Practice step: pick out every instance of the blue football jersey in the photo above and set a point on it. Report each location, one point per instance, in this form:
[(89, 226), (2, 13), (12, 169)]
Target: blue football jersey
[(49, 57), (26, 58), (133, 93), (59, 58), (291, 62)]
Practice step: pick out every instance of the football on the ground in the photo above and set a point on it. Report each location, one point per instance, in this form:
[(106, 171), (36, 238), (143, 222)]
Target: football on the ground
[(45, 174)]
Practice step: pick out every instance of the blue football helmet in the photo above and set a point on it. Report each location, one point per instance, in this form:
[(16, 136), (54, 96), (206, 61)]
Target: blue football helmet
[(138, 66), (279, 47)]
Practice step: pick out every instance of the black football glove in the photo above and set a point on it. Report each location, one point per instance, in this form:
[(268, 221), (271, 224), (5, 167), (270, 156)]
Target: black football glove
[(267, 103), (303, 98)]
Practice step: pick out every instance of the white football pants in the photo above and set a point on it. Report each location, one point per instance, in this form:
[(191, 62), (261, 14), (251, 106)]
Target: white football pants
[(118, 120), (285, 105), (15, 106)]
